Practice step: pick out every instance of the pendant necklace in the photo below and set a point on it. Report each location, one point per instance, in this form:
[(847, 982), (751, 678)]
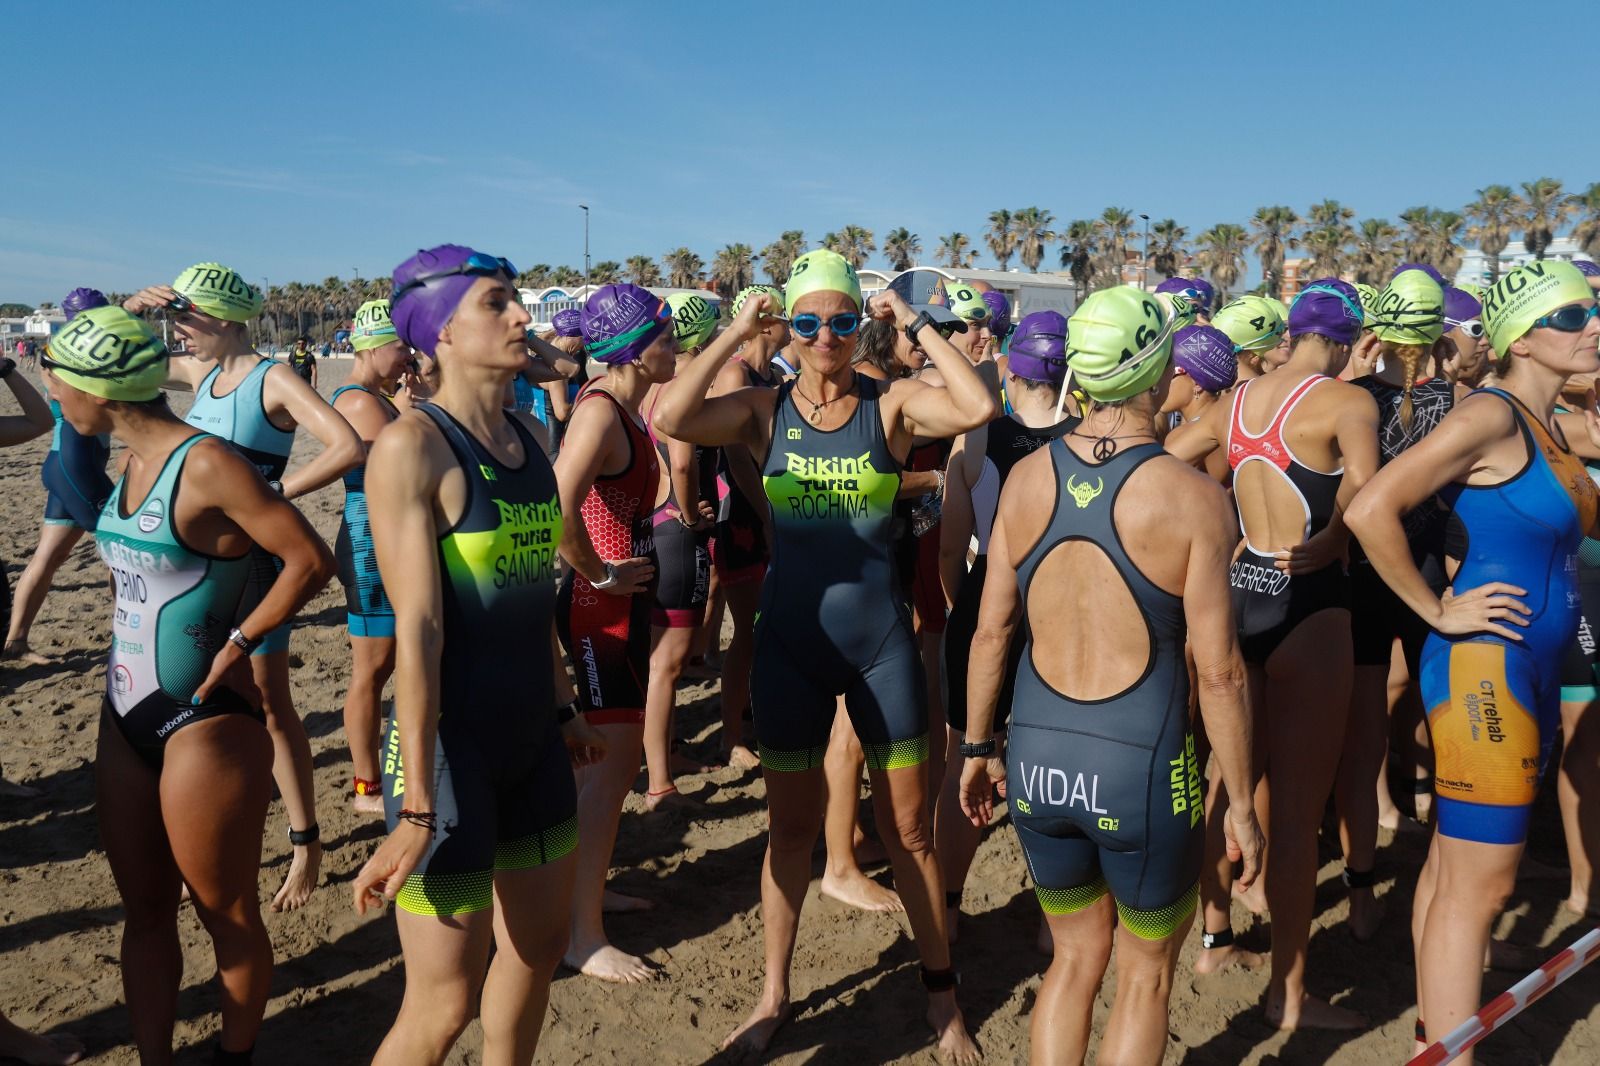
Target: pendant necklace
[(816, 408)]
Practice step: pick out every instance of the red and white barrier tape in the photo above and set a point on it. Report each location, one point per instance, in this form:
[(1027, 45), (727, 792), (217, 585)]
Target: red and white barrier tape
[(1513, 1001)]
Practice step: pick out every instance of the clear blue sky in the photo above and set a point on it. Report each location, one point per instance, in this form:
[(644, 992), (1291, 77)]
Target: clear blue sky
[(297, 140)]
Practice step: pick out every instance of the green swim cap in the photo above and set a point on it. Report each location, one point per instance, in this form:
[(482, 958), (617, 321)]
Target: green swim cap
[(109, 353), (772, 292), (372, 327), (966, 303), (1369, 302), (1182, 311), (1410, 309), (1118, 342), (694, 320), (1474, 291), (220, 292), (1529, 292), (821, 271), (1253, 323)]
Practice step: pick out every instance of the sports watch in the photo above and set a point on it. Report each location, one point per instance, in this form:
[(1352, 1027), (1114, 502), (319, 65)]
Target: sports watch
[(242, 642), (923, 319), (982, 749)]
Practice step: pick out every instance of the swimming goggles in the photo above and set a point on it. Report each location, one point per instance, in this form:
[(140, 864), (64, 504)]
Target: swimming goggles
[(1569, 319), (809, 326), (477, 265), (1472, 327)]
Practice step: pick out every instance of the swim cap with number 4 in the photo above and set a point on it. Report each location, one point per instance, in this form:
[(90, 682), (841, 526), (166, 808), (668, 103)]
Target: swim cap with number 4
[(1253, 323)]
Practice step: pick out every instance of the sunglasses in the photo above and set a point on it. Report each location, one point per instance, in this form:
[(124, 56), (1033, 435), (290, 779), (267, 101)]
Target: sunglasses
[(1472, 328), (1569, 319), (476, 265), (809, 326)]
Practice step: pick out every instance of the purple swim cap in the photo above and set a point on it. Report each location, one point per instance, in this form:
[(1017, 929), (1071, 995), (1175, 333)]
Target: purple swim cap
[(420, 311), (999, 313), (567, 322), (1196, 290), (621, 321), (1205, 353), (1039, 348), (1459, 307), (81, 300), (1329, 307), (1587, 268), (1432, 272)]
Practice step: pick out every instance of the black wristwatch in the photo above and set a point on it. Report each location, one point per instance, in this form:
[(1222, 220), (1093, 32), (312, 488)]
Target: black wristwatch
[(981, 749), (923, 319), (7, 365), (301, 837), (566, 712), (242, 642)]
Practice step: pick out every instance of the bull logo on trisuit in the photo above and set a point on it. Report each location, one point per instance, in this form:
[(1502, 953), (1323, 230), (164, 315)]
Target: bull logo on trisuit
[(1083, 495)]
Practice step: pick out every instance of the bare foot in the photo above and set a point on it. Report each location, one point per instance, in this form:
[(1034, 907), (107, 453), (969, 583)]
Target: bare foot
[(955, 1044), (1254, 898), (1314, 1013), (12, 790), (670, 799), (1232, 957), (18, 649), (301, 880), (856, 889), (606, 963), (618, 903), (1389, 818), (751, 1039), (58, 1049), (1366, 914), (741, 758)]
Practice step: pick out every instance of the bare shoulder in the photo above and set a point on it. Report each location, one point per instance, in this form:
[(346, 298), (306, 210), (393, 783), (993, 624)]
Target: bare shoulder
[(410, 442), (1180, 496), (214, 461)]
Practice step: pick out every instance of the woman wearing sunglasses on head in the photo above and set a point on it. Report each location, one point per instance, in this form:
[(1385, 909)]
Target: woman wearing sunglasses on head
[(834, 443), (1301, 444), (256, 404), (478, 785), (610, 477), (1197, 291), (1520, 505), (183, 767)]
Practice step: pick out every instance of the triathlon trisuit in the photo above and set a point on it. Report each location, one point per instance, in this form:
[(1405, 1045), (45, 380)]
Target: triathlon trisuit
[(608, 636), (1008, 442), (174, 609), (1377, 615), (503, 788), (683, 555), (1493, 704), (303, 363), (831, 621), (1106, 793), (739, 548), (1580, 670), (367, 609), (240, 418), (74, 475), (1267, 603)]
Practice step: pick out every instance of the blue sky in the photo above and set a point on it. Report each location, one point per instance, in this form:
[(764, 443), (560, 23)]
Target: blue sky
[(297, 140)]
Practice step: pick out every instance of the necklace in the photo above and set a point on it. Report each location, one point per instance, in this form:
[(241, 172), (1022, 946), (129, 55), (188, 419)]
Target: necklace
[(816, 408), (1106, 446)]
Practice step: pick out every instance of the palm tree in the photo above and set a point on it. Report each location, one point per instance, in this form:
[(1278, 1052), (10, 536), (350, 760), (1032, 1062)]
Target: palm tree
[(1587, 206), (1115, 224), (1222, 251), (781, 253), (901, 247), (953, 250), (535, 277), (606, 272), (682, 268), (1077, 254), (1545, 208), (1443, 241), (855, 243), (1327, 244), (1032, 228), (1419, 223), (566, 277), (642, 270), (731, 268), (1374, 255), (1274, 228), (1168, 255), (1001, 237), (1494, 214), (1330, 213)]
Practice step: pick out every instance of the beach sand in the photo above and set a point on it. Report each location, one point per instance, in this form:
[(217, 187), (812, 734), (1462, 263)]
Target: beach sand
[(338, 979)]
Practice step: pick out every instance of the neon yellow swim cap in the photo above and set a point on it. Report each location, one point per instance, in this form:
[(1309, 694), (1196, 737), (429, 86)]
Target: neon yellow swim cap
[(1182, 311), (772, 292), (1253, 323), (821, 271), (109, 353), (1118, 342), (371, 327), (1369, 301), (1410, 310), (694, 320), (220, 292), (965, 302), (1529, 292), (1474, 291)]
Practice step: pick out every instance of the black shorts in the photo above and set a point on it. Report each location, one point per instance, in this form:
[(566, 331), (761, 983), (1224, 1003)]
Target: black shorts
[(1377, 617), (958, 653), (1578, 669), (1268, 604), (683, 575)]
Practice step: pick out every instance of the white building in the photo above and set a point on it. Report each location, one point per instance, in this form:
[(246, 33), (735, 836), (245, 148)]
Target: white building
[(1475, 265)]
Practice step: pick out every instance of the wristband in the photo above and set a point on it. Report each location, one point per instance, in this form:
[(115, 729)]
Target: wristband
[(979, 750), (301, 837), (923, 319), (242, 642), (429, 820)]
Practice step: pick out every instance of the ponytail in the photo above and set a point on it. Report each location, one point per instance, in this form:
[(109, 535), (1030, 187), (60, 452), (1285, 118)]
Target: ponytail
[(1411, 357)]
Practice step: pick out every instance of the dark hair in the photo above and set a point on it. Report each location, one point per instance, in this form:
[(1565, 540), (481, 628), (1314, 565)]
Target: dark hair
[(875, 342)]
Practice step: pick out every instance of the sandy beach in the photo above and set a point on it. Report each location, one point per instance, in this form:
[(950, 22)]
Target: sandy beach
[(858, 1001)]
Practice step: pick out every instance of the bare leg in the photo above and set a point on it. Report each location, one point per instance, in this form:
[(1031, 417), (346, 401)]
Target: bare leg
[(668, 650), (55, 544), (1580, 775), (1427, 881), (955, 838), (1366, 743), (601, 790), (1062, 1012), (445, 958), (742, 600), (372, 661), (291, 770), (931, 645), (530, 932), (1136, 1032), (842, 878)]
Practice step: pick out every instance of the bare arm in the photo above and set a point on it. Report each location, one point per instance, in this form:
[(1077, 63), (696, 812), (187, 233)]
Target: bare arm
[(688, 413), (35, 418), (1194, 441), (957, 521), (966, 401), (342, 450), (583, 456)]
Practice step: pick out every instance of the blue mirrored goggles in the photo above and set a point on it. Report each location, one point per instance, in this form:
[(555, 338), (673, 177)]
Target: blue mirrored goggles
[(809, 326), (1569, 319), (477, 264)]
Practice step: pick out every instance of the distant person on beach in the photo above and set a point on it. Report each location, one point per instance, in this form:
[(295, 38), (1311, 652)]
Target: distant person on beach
[(303, 361)]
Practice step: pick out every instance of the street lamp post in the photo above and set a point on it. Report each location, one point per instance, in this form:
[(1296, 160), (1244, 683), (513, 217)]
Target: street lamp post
[(585, 246), (1144, 267), (266, 290)]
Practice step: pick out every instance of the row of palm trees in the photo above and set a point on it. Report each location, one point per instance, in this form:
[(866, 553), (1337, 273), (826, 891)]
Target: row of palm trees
[(1094, 251)]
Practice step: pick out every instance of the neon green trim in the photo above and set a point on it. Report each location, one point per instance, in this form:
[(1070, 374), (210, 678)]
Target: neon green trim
[(1060, 901), (1162, 922), (538, 849), (789, 762), (897, 754), (446, 895)]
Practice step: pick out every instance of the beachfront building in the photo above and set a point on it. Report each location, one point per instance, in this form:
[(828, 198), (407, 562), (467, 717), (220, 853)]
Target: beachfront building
[(37, 326)]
